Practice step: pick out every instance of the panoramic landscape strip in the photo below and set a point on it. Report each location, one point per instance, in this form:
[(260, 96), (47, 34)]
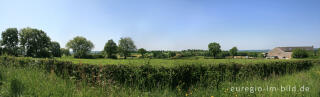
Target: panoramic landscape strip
[(159, 48), (32, 69)]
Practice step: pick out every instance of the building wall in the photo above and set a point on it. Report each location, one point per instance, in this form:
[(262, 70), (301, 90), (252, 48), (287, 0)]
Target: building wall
[(279, 53)]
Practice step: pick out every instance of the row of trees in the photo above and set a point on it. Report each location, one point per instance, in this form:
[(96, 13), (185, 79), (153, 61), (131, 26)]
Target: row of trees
[(215, 50), (35, 43), (125, 47), (81, 47), (28, 42)]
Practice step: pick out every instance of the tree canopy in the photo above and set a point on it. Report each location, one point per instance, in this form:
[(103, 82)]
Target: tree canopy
[(55, 49), (10, 41), (142, 51), (80, 46), (214, 49), (110, 49), (233, 51), (299, 53), (126, 45), (34, 42)]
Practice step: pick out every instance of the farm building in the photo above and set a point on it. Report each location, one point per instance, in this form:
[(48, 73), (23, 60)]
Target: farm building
[(285, 52)]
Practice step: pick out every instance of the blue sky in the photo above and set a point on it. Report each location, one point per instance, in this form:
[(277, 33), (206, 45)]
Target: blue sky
[(171, 24)]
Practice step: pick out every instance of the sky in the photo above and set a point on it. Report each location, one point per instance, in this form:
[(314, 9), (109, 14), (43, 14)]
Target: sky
[(171, 24)]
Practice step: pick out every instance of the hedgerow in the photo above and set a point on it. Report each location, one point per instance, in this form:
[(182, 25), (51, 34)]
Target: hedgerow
[(146, 76)]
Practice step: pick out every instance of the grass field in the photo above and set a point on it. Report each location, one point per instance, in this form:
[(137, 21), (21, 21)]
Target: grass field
[(35, 82)]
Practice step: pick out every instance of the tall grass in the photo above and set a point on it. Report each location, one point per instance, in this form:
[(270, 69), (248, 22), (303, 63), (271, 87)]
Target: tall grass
[(32, 82)]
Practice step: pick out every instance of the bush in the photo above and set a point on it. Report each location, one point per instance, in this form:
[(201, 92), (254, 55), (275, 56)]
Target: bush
[(299, 53)]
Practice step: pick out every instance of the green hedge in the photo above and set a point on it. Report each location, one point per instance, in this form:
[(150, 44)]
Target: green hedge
[(148, 76)]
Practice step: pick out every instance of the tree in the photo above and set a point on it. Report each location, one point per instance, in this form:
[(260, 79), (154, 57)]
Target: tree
[(34, 42), (214, 49), (55, 49), (65, 52), (299, 53), (233, 51), (126, 45), (110, 49), (80, 46), (142, 51), (10, 41)]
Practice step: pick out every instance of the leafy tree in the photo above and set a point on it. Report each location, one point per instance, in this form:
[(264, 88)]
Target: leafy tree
[(80, 46), (55, 49), (214, 49), (233, 51), (126, 45), (34, 42), (110, 49), (142, 51), (65, 52), (10, 41), (299, 53)]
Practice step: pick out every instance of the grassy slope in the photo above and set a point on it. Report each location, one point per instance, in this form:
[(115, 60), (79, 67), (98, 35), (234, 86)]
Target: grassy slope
[(39, 83)]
